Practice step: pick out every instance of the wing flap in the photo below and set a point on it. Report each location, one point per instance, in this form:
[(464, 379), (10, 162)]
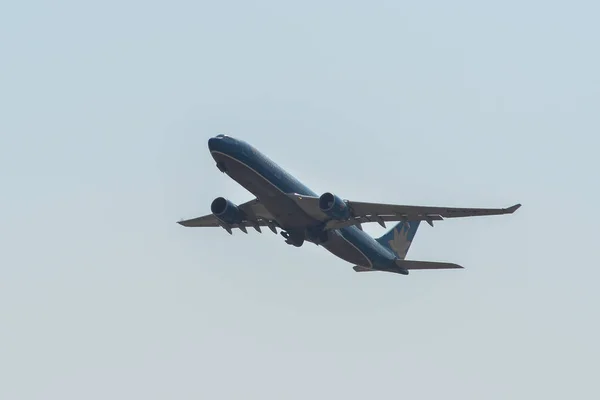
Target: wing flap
[(333, 224), (413, 212), (212, 221)]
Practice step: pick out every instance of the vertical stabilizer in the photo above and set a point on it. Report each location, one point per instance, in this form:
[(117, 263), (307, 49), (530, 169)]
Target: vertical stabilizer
[(399, 238)]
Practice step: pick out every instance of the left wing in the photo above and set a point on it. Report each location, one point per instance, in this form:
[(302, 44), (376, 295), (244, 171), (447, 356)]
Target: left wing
[(256, 215), (361, 212)]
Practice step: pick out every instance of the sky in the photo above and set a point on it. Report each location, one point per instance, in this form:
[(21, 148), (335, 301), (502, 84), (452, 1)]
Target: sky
[(106, 108)]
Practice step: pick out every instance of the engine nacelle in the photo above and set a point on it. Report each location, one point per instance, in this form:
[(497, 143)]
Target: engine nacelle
[(334, 207), (226, 211)]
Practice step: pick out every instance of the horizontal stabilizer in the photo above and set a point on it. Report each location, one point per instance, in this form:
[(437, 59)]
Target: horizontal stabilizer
[(412, 265)]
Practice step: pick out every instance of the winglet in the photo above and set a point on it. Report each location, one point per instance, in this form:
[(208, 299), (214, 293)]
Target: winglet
[(512, 209)]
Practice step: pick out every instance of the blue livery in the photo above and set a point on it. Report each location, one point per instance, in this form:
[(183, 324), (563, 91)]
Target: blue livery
[(283, 202)]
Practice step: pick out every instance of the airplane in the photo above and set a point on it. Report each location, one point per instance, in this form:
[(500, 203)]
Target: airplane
[(282, 202)]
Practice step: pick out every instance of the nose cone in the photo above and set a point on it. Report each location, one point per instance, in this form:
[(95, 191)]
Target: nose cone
[(217, 143), (212, 143), (223, 144)]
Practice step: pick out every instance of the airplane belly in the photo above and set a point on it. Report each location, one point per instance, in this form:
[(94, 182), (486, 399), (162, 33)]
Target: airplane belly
[(344, 249), (247, 178), (286, 212)]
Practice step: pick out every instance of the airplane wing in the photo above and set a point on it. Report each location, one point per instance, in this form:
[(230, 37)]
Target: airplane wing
[(255, 212), (362, 212)]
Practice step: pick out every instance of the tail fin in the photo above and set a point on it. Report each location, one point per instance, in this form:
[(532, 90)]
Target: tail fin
[(399, 238)]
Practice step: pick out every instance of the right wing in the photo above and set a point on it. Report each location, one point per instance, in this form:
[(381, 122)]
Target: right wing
[(256, 215), (362, 212)]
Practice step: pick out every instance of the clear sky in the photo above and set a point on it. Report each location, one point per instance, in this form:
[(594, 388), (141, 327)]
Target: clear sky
[(106, 108)]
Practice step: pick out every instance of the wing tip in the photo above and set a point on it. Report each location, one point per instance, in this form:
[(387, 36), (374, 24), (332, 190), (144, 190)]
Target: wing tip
[(514, 208)]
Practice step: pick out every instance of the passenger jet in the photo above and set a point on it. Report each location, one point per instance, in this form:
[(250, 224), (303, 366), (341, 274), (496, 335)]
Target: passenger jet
[(282, 202)]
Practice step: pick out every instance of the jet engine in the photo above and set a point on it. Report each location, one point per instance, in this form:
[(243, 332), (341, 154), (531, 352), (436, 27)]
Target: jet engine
[(334, 207), (226, 211)]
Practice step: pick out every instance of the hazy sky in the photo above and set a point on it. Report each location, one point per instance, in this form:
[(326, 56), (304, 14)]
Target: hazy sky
[(106, 109)]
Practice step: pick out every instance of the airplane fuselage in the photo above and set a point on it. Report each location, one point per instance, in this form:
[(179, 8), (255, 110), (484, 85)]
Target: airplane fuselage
[(270, 184)]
